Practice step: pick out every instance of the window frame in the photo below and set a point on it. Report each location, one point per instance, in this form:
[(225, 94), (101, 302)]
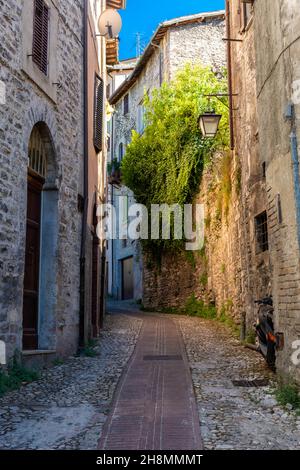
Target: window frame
[(120, 153), (261, 228), (42, 60), (98, 113), (126, 104), (246, 16)]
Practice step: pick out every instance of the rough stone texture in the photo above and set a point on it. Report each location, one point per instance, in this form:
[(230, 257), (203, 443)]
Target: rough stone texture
[(278, 83), (25, 106), (204, 40), (67, 407), (234, 418)]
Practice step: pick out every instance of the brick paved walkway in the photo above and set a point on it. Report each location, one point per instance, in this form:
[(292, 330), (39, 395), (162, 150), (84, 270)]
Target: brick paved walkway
[(154, 406)]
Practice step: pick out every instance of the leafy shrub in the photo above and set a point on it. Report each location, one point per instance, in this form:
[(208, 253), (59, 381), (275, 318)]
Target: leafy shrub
[(15, 377), (197, 308), (165, 164), (288, 394)]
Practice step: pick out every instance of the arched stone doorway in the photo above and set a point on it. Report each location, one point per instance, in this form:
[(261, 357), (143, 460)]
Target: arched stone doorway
[(39, 301)]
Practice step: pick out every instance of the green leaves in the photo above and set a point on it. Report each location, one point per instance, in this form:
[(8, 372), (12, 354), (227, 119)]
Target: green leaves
[(164, 165)]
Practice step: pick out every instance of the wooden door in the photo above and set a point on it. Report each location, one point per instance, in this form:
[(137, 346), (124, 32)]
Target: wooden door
[(32, 261), (127, 281), (95, 288)]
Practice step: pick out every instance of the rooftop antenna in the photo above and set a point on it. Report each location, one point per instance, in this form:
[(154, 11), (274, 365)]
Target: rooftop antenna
[(138, 44)]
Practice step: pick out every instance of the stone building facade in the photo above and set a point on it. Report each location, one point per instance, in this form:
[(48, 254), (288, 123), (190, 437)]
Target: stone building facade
[(47, 146), (252, 247), (49, 102), (276, 29), (193, 39)]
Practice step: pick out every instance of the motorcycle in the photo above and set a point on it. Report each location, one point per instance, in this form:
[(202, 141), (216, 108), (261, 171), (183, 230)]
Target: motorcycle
[(265, 337)]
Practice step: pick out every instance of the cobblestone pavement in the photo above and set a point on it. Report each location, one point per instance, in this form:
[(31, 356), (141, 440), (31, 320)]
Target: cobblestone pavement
[(234, 417), (67, 407)]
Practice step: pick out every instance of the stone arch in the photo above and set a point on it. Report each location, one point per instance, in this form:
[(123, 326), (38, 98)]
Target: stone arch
[(49, 223), (43, 116)]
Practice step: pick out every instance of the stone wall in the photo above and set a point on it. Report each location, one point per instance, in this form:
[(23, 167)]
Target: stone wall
[(232, 271), (198, 42), (25, 105), (211, 274), (278, 84)]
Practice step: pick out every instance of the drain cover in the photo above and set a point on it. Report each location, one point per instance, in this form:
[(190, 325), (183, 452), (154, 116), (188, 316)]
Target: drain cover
[(251, 383), (162, 358)]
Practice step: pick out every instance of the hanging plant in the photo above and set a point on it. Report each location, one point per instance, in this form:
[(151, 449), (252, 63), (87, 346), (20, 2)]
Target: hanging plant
[(165, 164)]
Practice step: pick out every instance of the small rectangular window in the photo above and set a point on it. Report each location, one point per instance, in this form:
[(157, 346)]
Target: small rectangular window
[(40, 42), (247, 13), (126, 104), (98, 112), (261, 232)]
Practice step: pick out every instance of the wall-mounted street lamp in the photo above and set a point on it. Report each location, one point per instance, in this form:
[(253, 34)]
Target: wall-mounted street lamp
[(209, 124), (110, 24), (209, 121)]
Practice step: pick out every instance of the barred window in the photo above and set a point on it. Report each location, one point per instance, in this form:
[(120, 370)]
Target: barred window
[(261, 231), (40, 43)]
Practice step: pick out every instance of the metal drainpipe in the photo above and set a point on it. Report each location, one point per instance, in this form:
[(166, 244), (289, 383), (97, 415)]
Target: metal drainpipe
[(295, 161), (229, 61), (85, 176)]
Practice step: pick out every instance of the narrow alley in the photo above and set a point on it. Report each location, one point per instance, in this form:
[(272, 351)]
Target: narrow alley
[(175, 392), (149, 231)]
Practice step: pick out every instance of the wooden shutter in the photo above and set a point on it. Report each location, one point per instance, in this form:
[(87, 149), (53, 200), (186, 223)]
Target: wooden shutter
[(40, 35), (98, 112)]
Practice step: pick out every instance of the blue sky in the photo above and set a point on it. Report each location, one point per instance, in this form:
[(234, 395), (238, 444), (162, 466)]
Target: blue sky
[(143, 16)]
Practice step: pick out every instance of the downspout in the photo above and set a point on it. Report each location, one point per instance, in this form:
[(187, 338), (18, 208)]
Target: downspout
[(229, 62), (85, 177), (295, 162)]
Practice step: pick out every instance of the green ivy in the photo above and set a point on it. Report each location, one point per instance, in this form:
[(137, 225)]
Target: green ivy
[(165, 164)]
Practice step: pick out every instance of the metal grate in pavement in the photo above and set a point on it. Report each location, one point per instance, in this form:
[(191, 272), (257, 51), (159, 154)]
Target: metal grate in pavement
[(162, 358), (251, 383)]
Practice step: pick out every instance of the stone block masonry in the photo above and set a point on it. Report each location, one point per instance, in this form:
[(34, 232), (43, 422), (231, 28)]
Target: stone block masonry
[(26, 105)]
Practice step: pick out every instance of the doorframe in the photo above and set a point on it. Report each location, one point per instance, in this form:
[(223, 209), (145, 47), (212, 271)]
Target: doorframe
[(36, 182), (122, 274)]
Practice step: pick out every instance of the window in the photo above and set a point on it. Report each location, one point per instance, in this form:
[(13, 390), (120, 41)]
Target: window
[(141, 118), (126, 104), (121, 151), (37, 153), (261, 231), (247, 13), (98, 113), (40, 35)]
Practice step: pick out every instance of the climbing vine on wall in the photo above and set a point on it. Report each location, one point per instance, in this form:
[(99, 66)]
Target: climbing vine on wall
[(164, 165)]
